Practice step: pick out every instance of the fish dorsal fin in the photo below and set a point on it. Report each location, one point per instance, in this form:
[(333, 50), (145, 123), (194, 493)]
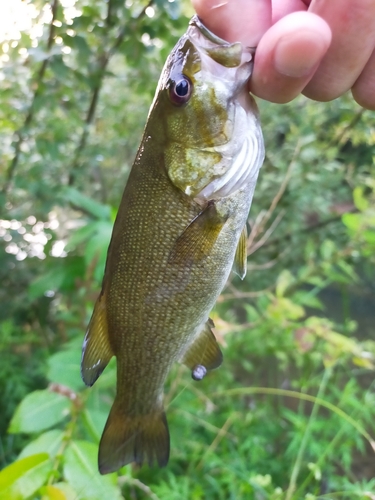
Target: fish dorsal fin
[(204, 353), (199, 237), (96, 350), (240, 259)]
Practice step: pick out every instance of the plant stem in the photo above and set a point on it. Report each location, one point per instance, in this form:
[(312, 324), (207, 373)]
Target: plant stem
[(306, 437), (299, 395)]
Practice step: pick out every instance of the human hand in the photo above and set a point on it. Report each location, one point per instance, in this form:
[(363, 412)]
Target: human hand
[(321, 48)]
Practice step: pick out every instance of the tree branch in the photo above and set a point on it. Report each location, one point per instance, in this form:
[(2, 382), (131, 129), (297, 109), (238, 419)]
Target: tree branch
[(308, 229), (20, 134), (103, 61)]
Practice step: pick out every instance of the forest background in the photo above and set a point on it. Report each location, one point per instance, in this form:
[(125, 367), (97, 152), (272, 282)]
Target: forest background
[(291, 412)]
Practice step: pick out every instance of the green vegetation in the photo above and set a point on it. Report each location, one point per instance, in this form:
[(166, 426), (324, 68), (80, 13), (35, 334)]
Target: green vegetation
[(290, 414)]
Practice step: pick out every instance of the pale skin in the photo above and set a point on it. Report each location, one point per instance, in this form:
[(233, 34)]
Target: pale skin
[(320, 48)]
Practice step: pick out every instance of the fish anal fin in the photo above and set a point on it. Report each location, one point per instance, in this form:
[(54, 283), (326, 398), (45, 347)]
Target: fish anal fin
[(133, 438), (204, 353), (199, 237), (240, 259), (96, 350)]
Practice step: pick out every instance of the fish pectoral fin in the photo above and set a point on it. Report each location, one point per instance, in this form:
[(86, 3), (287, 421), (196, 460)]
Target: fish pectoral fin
[(240, 259), (133, 438), (96, 350), (204, 353), (199, 237)]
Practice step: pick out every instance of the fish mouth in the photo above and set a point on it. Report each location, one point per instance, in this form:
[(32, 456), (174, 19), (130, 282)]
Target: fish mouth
[(229, 55), (195, 21)]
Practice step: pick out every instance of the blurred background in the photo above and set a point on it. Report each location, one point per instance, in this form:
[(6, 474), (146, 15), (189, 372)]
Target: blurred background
[(290, 414)]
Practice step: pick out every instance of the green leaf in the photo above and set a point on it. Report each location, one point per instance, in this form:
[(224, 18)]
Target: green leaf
[(80, 235), (252, 313), (94, 421), (66, 490), (52, 493), (348, 270), (60, 69), (352, 221), (97, 247), (282, 309), (79, 43), (369, 236), (81, 472), (49, 442), (21, 479), (359, 200), (64, 369), (87, 204), (327, 249), (51, 280), (62, 275), (284, 281), (39, 410), (308, 299)]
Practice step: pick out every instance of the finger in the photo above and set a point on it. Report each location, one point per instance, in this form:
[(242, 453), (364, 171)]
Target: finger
[(281, 8), (364, 88), (353, 38), (288, 55), (236, 20)]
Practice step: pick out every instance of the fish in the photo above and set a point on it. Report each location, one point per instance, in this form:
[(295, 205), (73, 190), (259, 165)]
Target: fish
[(180, 229)]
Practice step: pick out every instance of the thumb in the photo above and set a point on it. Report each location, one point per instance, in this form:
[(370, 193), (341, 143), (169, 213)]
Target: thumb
[(236, 20)]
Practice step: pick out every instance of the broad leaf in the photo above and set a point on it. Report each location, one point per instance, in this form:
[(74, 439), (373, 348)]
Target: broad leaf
[(39, 410), (21, 479), (81, 471), (66, 490), (49, 442), (64, 368), (52, 493), (87, 204), (94, 422)]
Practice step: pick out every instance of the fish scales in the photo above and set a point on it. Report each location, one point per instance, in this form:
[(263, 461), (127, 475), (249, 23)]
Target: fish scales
[(174, 241)]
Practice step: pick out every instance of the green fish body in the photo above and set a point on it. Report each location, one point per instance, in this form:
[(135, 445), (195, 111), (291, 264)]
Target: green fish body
[(180, 226)]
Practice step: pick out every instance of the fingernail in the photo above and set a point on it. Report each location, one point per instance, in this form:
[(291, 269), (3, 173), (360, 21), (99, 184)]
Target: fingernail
[(298, 57)]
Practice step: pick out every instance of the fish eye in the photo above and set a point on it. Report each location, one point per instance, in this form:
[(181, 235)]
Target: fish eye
[(180, 90)]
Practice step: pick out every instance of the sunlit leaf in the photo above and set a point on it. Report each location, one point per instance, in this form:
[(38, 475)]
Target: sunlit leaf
[(81, 472), (21, 479), (48, 442), (284, 280), (66, 490), (52, 493), (64, 369), (359, 200), (39, 410)]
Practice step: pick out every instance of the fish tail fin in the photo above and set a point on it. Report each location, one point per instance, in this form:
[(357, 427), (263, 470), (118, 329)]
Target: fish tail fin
[(96, 350), (133, 438)]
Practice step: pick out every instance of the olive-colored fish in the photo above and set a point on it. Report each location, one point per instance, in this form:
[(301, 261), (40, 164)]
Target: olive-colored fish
[(180, 226)]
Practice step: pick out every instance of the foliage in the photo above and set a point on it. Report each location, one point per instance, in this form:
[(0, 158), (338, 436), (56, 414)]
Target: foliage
[(290, 413)]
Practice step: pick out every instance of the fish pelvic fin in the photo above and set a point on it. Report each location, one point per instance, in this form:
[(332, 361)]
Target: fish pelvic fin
[(133, 438), (96, 349), (204, 353), (240, 259)]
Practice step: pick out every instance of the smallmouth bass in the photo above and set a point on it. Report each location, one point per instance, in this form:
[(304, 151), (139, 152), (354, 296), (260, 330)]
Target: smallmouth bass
[(180, 228)]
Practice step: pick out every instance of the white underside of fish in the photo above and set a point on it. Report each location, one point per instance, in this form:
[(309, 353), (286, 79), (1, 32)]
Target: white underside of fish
[(242, 158)]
